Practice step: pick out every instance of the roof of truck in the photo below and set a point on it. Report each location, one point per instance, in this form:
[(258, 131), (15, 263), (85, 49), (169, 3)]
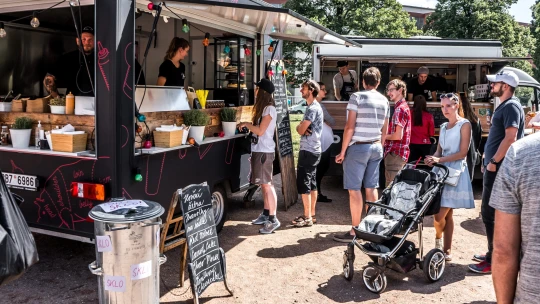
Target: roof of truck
[(425, 40)]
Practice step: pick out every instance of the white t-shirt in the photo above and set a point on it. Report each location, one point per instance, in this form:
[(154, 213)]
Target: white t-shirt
[(327, 137), (266, 142)]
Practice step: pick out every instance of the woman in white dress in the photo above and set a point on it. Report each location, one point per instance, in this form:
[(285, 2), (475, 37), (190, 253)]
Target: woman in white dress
[(454, 142)]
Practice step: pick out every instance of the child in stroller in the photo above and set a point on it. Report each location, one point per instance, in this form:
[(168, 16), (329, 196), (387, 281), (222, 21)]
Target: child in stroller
[(413, 194)]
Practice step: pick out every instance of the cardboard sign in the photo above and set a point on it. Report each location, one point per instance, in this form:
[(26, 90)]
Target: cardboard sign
[(115, 283), (113, 206), (103, 243), (141, 271)]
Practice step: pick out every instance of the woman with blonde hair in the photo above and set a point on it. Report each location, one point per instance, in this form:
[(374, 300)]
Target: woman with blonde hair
[(456, 194), (263, 146), (172, 72)]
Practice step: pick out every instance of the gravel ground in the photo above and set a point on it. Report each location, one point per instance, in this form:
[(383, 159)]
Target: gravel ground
[(293, 265)]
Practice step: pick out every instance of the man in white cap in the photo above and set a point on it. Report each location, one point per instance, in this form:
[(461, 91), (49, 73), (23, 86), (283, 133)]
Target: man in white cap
[(422, 85), (507, 126)]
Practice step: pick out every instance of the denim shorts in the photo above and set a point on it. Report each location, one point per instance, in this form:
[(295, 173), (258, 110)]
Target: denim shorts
[(361, 166)]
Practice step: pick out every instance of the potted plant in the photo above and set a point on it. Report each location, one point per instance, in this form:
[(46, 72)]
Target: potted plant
[(20, 132), (228, 120), (58, 105), (197, 119)]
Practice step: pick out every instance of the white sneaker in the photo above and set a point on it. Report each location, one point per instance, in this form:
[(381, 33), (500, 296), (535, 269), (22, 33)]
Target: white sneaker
[(448, 257), (439, 244)]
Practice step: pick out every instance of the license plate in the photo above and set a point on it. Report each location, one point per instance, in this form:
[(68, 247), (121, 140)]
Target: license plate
[(21, 181)]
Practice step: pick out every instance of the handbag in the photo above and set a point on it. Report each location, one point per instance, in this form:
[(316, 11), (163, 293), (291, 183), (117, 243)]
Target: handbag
[(453, 175)]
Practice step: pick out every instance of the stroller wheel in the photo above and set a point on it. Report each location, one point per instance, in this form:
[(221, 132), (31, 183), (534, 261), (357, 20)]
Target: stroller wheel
[(348, 267), (433, 265), (374, 279)]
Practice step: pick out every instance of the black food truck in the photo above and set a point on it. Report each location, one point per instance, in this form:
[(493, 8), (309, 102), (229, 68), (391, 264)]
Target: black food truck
[(110, 140)]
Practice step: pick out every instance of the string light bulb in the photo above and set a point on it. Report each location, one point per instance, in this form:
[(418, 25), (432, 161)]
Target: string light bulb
[(185, 26), (258, 52), (2, 30), (73, 2), (271, 47), (227, 48), (35, 21), (206, 41), (247, 51), (270, 72), (150, 6)]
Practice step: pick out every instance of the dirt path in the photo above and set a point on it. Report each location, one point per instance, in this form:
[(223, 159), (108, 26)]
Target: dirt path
[(293, 265)]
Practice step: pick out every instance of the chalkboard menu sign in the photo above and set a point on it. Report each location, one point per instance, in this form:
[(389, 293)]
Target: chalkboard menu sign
[(438, 116), (207, 263), (284, 138), (384, 68)]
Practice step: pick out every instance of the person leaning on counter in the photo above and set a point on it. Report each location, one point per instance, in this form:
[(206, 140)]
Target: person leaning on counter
[(172, 72), (422, 85), (345, 82), (70, 71)]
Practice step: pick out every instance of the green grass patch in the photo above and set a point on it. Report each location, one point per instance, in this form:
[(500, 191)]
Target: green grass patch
[(295, 121)]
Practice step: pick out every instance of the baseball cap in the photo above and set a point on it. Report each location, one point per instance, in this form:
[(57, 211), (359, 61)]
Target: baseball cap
[(266, 85), (423, 70), (508, 77), (342, 63), (88, 29)]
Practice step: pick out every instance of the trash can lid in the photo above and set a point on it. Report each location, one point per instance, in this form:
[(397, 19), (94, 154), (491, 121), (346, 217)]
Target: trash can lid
[(126, 211)]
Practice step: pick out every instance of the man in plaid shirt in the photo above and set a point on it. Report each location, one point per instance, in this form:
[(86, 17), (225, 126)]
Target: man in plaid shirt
[(396, 146)]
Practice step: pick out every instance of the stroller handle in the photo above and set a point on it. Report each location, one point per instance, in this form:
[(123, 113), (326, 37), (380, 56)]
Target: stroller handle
[(445, 171)]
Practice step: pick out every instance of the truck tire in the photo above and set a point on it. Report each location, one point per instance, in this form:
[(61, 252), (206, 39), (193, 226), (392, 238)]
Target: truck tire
[(219, 206)]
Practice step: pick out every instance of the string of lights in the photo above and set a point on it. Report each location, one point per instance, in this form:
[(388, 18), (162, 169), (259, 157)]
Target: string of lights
[(34, 22)]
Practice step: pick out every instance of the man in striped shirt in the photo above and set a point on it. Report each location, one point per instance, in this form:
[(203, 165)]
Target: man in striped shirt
[(363, 138)]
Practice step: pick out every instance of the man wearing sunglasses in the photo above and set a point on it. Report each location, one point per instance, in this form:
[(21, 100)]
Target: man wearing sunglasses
[(507, 126)]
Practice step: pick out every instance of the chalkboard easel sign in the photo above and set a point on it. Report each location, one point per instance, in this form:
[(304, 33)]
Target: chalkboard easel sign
[(207, 260)]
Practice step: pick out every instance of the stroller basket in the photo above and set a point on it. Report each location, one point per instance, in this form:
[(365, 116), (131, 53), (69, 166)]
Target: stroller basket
[(405, 259)]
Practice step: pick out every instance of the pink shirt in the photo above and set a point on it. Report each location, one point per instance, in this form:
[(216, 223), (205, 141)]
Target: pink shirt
[(420, 134)]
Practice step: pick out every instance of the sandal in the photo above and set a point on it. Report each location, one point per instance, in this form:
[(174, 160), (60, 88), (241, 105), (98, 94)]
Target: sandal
[(298, 219), (303, 222)]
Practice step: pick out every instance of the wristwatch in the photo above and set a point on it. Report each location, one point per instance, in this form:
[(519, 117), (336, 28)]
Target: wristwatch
[(492, 161)]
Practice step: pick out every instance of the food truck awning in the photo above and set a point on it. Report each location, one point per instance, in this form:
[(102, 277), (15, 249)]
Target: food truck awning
[(439, 60), (252, 17), (8, 6)]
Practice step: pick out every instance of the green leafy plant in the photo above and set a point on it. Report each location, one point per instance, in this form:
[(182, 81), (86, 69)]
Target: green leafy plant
[(22, 123), (58, 101), (228, 115), (196, 118)]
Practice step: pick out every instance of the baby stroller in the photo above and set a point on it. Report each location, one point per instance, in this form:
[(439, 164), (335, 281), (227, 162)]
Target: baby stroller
[(413, 194)]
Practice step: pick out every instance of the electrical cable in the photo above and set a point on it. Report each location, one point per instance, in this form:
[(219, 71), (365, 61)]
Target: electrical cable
[(39, 12)]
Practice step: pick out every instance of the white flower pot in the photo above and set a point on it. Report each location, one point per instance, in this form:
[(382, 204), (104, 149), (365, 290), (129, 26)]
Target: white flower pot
[(229, 127), (20, 138), (58, 109), (197, 132)]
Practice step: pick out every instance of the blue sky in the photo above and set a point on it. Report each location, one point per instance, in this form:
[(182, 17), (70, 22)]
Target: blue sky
[(521, 10)]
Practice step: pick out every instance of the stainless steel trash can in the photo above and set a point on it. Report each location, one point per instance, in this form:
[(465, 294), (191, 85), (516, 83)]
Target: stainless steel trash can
[(127, 251)]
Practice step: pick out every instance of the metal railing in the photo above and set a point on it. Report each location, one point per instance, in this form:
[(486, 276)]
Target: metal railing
[(295, 100)]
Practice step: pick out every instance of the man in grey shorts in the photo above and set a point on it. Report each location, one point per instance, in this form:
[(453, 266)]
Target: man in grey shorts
[(362, 146)]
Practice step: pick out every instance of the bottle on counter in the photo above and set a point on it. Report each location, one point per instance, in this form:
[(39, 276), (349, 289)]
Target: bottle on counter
[(4, 136), (70, 104), (39, 130)]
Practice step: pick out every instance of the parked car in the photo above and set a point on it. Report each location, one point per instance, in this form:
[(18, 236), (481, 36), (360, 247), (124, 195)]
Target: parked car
[(299, 108)]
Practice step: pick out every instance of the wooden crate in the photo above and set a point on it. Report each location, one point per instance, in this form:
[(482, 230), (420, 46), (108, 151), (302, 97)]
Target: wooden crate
[(168, 139), (39, 105), (69, 143), (18, 105)]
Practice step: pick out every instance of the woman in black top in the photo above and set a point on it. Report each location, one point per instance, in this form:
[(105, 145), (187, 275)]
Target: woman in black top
[(172, 72), (472, 155)]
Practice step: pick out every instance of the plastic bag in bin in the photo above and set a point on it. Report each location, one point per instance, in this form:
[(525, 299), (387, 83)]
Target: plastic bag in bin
[(18, 249)]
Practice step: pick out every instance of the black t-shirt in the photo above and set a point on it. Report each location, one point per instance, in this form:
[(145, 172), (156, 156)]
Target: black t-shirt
[(71, 73), (413, 87), (175, 76)]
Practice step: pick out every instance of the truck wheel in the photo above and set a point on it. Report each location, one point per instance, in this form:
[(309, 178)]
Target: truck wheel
[(219, 206)]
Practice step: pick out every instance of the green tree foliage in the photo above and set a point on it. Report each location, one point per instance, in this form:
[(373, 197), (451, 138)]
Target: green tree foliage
[(370, 18), (535, 31), (483, 19)]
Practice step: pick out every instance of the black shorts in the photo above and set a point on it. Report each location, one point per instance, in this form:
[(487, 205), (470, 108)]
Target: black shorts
[(306, 171)]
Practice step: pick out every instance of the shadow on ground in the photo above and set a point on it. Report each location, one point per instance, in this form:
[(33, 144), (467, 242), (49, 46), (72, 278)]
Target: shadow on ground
[(339, 290)]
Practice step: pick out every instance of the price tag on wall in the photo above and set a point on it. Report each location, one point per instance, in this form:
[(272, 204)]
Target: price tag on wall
[(115, 283)]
